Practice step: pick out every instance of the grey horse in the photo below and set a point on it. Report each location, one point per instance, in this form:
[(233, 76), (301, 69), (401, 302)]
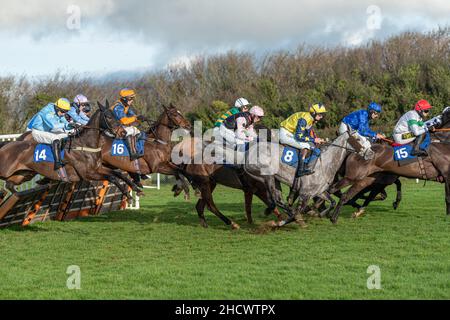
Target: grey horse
[(268, 168)]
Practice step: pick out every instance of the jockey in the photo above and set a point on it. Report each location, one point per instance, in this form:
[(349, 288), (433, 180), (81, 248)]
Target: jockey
[(296, 131), (359, 121), (411, 127), (123, 112), (241, 105), (238, 129), (80, 109), (49, 126)]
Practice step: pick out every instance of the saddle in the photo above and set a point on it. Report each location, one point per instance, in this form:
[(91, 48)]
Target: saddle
[(402, 152)]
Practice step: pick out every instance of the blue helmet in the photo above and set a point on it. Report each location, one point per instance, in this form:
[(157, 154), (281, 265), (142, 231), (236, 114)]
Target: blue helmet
[(373, 106)]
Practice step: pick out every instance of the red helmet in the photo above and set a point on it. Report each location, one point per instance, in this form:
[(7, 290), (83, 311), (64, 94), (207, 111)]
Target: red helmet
[(422, 105)]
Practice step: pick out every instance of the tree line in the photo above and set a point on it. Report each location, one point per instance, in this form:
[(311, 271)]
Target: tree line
[(395, 72)]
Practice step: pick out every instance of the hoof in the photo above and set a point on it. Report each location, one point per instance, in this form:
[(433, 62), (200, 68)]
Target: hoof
[(333, 220), (187, 197), (140, 194), (395, 205), (204, 224), (272, 224), (250, 221), (357, 214), (300, 221), (235, 226)]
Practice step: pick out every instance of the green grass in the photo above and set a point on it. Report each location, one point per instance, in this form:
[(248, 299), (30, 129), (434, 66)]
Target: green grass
[(161, 252)]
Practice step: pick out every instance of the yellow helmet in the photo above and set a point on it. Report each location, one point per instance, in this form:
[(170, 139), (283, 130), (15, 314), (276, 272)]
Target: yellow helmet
[(318, 108), (63, 104), (127, 93)]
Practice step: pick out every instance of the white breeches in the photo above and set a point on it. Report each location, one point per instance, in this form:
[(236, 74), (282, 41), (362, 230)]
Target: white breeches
[(288, 138), (47, 137), (132, 131), (363, 140), (229, 136)]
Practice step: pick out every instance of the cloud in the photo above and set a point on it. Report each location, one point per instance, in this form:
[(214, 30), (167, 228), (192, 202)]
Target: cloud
[(182, 28)]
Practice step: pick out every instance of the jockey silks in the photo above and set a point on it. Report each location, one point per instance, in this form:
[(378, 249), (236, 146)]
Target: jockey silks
[(230, 122)]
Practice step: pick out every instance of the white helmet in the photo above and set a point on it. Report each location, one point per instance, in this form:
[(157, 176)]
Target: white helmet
[(241, 102), (79, 99), (257, 111)]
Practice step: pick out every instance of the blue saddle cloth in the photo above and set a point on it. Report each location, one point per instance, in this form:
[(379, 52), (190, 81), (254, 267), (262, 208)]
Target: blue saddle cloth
[(403, 152), (290, 156), (119, 148), (43, 153)]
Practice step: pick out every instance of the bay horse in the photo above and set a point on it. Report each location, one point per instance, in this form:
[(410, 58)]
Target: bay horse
[(157, 148), (359, 173), (82, 156)]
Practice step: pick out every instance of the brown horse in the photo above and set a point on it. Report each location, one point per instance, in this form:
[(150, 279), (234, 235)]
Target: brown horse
[(228, 177), (157, 147), (360, 173), (82, 156), (205, 177)]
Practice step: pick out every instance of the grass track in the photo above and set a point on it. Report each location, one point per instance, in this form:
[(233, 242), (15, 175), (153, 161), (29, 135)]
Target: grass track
[(161, 252)]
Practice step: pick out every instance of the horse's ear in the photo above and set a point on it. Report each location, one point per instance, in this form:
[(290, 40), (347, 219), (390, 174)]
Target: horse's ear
[(171, 106), (107, 104), (100, 106), (164, 107)]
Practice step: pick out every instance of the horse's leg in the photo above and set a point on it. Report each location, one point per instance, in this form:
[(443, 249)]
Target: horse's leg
[(299, 211), (357, 187), (123, 189), (271, 207), (206, 190), (447, 194), (325, 212), (248, 196), (200, 207), (129, 182), (344, 182), (184, 184), (398, 199), (377, 188)]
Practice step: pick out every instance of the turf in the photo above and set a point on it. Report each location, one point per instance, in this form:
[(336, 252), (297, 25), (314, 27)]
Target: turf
[(161, 252)]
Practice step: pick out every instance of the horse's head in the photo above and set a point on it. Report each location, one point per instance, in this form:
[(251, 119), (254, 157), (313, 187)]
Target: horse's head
[(445, 117), (107, 121), (176, 119), (360, 145)]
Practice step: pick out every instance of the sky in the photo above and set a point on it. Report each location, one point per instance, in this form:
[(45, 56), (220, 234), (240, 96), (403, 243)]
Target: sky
[(101, 37)]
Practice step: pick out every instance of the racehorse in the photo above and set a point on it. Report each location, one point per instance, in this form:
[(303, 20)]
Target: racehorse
[(434, 167), (316, 184), (157, 148), (82, 156)]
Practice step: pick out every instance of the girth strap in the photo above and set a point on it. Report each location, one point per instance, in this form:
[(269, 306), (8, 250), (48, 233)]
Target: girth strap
[(423, 171), (86, 149)]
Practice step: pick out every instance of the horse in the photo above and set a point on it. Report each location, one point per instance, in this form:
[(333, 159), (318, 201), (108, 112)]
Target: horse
[(359, 173), (157, 148), (82, 156), (316, 184)]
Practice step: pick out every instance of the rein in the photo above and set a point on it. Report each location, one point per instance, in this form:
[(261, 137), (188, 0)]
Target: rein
[(338, 146)]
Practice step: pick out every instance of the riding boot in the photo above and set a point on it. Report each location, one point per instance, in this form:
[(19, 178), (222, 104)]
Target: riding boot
[(416, 148), (56, 149), (131, 148), (135, 142)]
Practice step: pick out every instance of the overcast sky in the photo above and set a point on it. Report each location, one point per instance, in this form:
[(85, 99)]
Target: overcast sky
[(39, 37)]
